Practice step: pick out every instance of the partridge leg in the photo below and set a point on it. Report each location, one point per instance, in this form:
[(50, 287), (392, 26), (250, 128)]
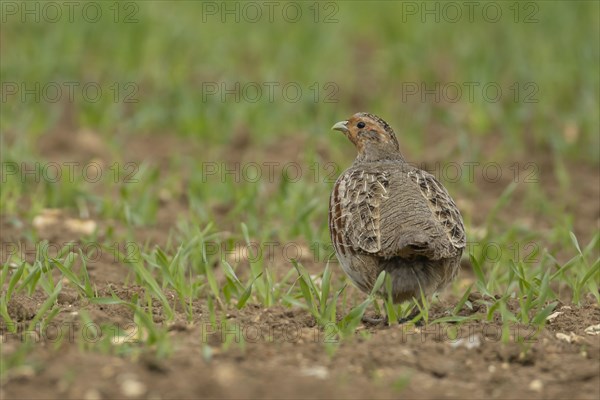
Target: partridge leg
[(375, 321), (410, 317)]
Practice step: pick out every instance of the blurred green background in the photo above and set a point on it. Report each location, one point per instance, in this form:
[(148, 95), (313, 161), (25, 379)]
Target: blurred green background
[(368, 49), (157, 64)]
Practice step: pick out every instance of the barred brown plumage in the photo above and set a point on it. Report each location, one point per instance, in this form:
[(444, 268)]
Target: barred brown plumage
[(386, 214)]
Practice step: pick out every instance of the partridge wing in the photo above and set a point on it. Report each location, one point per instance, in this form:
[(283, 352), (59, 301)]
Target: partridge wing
[(355, 217), (442, 207)]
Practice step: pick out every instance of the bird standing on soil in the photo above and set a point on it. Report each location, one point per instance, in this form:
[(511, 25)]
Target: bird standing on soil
[(385, 214)]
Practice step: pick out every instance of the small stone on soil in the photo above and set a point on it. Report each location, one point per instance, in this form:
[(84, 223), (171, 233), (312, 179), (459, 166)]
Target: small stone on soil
[(316, 371), (553, 315), (536, 385), (593, 330), (132, 388), (471, 343), (570, 338)]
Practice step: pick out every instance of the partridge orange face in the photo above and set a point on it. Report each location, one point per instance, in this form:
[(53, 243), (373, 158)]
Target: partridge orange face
[(367, 131)]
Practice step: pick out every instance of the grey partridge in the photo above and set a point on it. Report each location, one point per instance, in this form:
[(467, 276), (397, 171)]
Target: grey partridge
[(385, 214)]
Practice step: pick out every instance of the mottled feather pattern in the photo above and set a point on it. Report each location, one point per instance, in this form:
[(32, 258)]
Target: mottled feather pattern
[(442, 206), (364, 193)]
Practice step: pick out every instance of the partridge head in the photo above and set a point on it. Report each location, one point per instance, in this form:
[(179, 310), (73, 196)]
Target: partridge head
[(373, 137)]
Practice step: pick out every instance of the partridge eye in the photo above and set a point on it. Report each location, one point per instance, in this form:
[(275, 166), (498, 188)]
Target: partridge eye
[(361, 124)]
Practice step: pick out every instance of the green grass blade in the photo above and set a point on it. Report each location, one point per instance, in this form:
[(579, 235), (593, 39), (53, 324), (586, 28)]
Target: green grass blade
[(246, 295), (46, 305)]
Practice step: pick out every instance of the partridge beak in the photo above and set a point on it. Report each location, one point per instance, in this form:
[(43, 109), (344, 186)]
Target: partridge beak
[(340, 126)]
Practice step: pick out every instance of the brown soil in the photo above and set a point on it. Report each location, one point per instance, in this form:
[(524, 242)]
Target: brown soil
[(284, 357), (284, 354)]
